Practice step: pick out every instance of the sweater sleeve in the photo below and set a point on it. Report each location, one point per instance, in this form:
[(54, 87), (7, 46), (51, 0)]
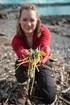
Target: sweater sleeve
[(19, 47), (45, 42)]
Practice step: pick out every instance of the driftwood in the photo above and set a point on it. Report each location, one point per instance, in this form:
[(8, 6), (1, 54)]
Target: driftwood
[(8, 85), (7, 92), (64, 100), (9, 89)]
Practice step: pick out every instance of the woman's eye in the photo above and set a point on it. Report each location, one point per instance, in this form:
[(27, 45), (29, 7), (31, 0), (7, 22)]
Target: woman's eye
[(32, 20), (25, 20)]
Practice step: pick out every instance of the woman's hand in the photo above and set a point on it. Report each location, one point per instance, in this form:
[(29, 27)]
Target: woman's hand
[(47, 52), (26, 54)]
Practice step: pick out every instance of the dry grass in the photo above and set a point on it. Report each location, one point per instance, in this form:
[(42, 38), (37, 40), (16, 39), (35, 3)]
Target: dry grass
[(4, 40)]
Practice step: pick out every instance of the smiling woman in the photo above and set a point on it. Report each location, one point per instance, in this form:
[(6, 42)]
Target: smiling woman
[(28, 21), (31, 36)]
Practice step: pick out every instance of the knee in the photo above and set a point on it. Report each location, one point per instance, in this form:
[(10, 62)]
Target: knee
[(50, 98)]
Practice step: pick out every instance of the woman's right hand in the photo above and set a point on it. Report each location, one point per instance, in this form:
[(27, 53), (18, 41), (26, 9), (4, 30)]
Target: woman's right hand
[(26, 54)]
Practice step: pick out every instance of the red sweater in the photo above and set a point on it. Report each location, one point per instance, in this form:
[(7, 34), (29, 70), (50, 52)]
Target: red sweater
[(20, 44)]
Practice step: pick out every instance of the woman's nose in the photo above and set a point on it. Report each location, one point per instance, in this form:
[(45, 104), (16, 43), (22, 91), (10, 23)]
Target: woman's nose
[(29, 23)]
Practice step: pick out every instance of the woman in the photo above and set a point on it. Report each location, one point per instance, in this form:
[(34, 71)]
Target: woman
[(31, 33)]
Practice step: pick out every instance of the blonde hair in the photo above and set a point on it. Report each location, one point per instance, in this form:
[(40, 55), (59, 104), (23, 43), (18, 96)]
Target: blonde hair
[(28, 7)]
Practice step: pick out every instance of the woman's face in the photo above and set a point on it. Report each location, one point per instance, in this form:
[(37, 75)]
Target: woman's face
[(28, 21)]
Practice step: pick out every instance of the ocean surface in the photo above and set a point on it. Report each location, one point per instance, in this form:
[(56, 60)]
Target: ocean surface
[(47, 8), (34, 1)]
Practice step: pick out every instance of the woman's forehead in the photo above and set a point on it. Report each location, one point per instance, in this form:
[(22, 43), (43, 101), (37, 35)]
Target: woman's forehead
[(29, 13)]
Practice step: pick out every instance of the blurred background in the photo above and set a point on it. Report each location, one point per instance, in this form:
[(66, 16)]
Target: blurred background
[(55, 14), (50, 7)]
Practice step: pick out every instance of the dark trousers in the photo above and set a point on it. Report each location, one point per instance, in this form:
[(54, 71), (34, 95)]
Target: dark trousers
[(45, 82)]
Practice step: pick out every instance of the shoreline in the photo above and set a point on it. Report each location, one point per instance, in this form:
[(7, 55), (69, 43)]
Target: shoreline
[(58, 25), (60, 49), (60, 53)]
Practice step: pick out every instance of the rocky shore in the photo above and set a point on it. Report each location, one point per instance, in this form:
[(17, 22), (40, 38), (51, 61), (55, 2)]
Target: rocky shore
[(60, 38), (60, 45)]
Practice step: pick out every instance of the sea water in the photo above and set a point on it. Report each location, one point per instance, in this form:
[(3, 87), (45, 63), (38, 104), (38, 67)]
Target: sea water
[(46, 10)]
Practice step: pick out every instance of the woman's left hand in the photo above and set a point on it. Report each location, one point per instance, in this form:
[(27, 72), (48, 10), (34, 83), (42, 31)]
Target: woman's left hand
[(48, 52)]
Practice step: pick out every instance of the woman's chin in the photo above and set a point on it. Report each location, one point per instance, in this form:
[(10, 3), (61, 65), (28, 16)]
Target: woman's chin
[(29, 32)]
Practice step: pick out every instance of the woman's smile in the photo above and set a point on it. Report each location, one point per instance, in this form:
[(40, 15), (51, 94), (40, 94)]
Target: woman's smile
[(28, 21)]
